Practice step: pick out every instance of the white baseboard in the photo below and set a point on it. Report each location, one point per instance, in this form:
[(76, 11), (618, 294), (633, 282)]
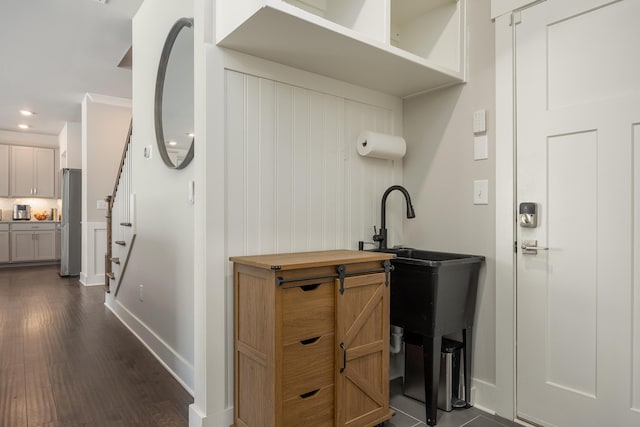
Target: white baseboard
[(94, 284), (223, 418), (177, 365), (196, 418), (483, 395)]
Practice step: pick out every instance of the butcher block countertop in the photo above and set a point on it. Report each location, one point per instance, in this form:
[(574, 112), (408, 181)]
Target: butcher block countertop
[(297, 260)]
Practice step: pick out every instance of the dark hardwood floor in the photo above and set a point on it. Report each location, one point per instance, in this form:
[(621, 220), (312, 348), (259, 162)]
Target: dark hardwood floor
[(66, 360)]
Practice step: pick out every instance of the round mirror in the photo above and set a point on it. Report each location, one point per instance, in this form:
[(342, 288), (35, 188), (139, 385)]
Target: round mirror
[(174, 96)]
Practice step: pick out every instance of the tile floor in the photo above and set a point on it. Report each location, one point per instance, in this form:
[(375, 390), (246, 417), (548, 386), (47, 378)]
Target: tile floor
[(411, 413)]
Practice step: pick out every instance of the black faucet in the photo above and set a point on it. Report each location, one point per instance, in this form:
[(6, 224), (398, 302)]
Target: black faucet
[(381, 237)]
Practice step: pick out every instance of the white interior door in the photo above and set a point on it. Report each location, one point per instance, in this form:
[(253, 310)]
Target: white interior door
[(578, 159)]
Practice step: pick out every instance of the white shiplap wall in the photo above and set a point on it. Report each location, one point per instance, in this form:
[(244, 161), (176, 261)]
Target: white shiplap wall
[(294, 179)]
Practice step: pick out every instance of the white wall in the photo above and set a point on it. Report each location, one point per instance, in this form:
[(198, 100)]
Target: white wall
[(70, 146), (162, 256), (439, 171), (105, 123)]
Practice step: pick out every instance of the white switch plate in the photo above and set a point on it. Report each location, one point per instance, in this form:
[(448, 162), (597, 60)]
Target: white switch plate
[(480, 121), (480, 147), (101, 204), (481, 192)]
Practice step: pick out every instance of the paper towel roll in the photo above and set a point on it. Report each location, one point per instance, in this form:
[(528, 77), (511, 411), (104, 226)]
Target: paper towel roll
[(381, 145)]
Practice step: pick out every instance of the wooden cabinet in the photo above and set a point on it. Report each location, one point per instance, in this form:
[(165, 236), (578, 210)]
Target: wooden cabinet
[(33, 242), (4, 243), (32, 172), (311, 333), (401, 47), (4, 171)]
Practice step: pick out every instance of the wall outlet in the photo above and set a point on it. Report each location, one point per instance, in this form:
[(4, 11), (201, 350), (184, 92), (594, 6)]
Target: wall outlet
[(141, 288)]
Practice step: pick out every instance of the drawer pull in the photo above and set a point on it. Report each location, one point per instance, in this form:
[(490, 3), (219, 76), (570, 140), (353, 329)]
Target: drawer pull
[(306, 288), (309, 394), (309, 341)]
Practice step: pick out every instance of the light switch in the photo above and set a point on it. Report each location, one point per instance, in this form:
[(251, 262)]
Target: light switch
[(148, 152), (101, 204), (481, 192), (480, 121), (480, 147)]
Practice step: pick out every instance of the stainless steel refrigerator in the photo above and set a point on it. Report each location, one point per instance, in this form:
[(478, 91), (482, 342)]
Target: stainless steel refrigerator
[(70, 229)]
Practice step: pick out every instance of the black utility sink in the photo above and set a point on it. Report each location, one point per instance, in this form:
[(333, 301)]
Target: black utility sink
[(434, 294)]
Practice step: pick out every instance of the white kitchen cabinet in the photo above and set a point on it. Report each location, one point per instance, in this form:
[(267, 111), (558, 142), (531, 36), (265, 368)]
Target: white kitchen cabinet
[(33, 242), (4, 171), (4, 243), (32, 172), (400, 47)]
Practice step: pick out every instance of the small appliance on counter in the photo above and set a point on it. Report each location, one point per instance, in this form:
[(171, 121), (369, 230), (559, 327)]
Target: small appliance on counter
[(21, 212)]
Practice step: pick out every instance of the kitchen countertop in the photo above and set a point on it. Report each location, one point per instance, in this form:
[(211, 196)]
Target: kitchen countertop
[(27, 222)]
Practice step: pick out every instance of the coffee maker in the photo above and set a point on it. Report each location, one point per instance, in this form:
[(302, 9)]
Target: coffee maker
[(21, 212)]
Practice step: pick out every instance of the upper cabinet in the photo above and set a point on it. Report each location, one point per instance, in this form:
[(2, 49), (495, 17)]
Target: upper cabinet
[(4, 171), (400, 47), (32, 172)]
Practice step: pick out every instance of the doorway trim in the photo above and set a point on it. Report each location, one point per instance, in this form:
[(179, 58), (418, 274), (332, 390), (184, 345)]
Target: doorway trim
[(506, 279), (505, 202)]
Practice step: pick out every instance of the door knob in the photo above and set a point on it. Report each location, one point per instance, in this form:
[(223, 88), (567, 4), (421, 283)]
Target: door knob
[(530, 247)]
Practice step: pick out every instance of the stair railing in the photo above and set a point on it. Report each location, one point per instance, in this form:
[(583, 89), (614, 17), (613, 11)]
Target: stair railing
[(123, 186)]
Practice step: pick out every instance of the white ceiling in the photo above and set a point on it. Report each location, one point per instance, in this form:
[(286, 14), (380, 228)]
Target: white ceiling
[(52, 52)]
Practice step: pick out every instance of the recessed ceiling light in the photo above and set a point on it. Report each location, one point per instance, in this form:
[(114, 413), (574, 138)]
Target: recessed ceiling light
[(27, 113), (23, 126), (172, 143)]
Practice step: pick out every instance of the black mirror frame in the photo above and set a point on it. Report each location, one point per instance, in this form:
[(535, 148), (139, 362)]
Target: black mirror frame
[(162, 69)]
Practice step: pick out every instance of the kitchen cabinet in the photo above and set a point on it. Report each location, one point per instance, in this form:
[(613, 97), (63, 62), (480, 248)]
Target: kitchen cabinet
[(311, 334), (33, 242), (4, 171), (4, 243), (32, 172), (400, 47)]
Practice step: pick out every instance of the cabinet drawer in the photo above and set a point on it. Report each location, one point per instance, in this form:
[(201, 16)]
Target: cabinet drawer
[(307, 365), (35, 226), (4, 227), (312, 409), (307, 312)]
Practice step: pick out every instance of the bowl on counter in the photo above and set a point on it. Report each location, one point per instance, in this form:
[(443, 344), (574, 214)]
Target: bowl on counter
[(41, 216)]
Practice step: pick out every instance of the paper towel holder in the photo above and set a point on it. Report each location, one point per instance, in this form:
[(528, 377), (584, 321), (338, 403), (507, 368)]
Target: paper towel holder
[(381, 145)]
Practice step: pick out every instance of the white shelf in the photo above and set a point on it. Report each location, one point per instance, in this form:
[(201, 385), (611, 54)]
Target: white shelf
[(324, 41)]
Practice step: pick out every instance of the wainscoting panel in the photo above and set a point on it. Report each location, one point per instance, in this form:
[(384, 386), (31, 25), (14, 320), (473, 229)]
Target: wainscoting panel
[(295, 179), (97, 247)]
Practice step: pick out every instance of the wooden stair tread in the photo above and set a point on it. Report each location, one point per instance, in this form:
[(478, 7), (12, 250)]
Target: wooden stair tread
[(120, 242), (115, 260), (111, 275), (126, 224)]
